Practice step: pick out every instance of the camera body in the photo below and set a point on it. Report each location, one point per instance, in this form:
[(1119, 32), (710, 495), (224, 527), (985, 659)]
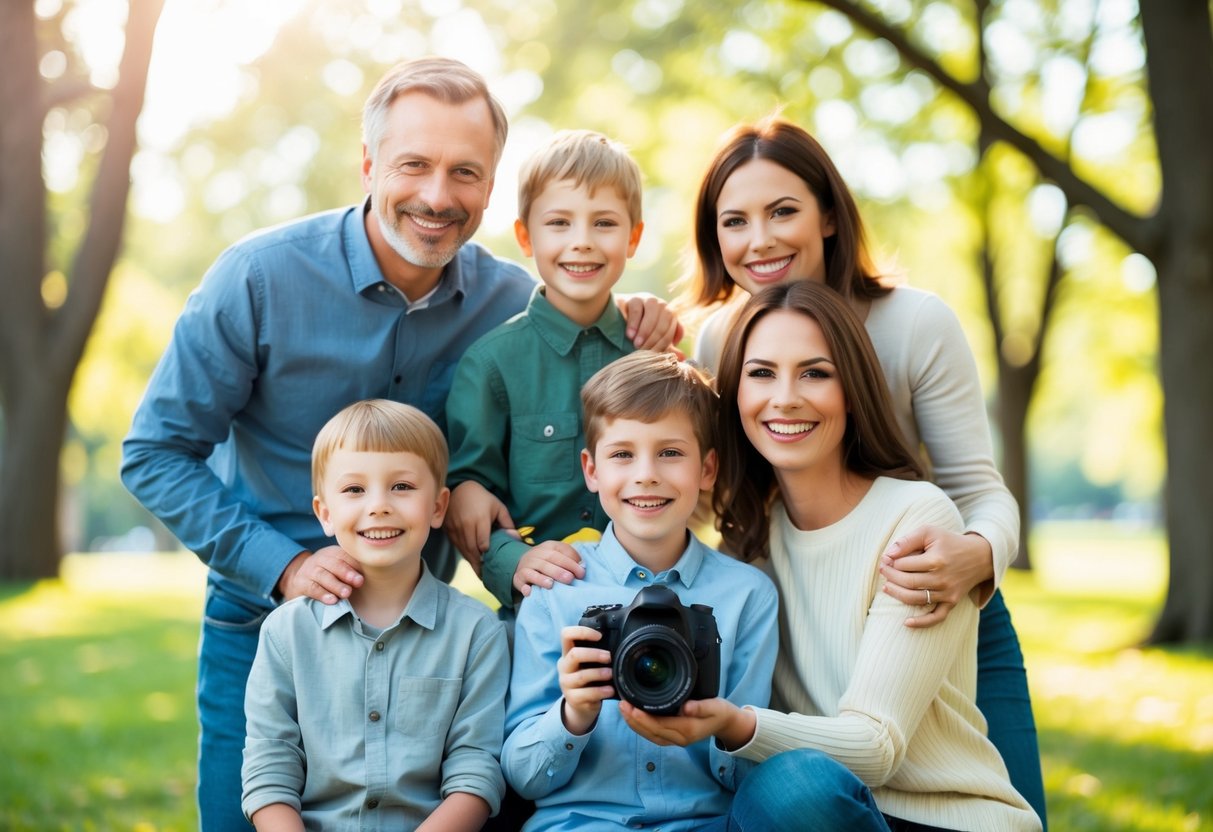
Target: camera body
[(662, 653)]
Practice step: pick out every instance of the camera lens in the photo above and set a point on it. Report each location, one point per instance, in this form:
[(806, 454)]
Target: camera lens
[(654, 669)]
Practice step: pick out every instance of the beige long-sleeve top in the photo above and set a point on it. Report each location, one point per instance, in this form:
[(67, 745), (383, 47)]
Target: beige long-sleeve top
[(895, 705), (939, 405)]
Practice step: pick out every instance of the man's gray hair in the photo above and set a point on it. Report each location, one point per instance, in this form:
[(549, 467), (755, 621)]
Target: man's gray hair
[(445, 79)]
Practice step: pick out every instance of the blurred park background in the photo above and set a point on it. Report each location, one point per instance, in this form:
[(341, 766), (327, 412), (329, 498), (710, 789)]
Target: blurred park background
[(1045, 166)]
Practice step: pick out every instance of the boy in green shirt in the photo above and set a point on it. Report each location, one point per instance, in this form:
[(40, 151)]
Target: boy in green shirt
[(514, 413)]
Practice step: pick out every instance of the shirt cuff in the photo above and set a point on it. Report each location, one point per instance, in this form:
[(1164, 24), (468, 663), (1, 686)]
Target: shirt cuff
[(499, 564)]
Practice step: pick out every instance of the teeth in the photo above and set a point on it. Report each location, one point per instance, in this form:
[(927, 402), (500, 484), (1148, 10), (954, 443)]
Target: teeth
[(381, 534), (424, 223), (770, 267), (647, 503), (579, 268), (789, 429)]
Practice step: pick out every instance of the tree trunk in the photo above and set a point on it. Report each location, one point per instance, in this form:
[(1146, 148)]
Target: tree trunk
[(1014, 398), (40, 348), (1179, 45), (34, 426), (1185, 295)]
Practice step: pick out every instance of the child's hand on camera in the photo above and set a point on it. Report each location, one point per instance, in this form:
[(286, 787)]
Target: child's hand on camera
[(584, 688), (546, 563), (699, 719)]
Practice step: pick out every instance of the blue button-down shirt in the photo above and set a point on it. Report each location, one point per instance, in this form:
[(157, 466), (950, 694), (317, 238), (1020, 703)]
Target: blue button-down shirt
[(289, 326), (610, 777), (362, 729)]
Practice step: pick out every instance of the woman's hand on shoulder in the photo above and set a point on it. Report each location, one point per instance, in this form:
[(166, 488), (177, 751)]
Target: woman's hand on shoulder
[(935, 567), (651, 324)]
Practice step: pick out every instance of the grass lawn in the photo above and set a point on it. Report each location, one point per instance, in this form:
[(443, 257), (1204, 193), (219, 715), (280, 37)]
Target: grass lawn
[(98, 678)]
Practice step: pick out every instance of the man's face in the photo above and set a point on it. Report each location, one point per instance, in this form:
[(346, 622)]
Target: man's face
[(429, 179)]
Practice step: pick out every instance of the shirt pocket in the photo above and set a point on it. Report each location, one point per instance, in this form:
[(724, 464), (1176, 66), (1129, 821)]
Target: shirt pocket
[(543, 447), (426, 705)]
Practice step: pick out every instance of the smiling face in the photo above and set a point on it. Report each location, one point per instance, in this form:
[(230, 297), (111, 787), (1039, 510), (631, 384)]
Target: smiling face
[(770, 227), (429, 180), (380, 506), (789, 397), (581, 240), (648, 476)]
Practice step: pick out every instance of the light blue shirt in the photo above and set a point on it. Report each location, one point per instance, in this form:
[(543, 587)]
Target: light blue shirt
[(371, 730), (611, 778), (287, 327)]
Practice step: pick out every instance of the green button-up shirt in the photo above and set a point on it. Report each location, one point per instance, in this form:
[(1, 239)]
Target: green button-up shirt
[(514, 416)]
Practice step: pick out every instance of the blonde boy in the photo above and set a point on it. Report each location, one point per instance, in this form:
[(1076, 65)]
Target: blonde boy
[(384, 710), (513, 414), (650, 425)]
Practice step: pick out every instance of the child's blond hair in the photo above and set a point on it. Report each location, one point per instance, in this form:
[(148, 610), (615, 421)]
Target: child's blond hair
[(380, 425), (587, 158), (645, 386)]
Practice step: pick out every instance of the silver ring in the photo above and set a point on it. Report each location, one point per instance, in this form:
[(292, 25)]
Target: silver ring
[(928, 592)]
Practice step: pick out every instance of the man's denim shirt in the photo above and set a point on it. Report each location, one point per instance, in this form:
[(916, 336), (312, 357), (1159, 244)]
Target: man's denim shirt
[(289, 326)]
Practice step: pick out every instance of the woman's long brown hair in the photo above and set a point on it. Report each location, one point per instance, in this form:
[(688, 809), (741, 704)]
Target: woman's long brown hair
[(872, 443)]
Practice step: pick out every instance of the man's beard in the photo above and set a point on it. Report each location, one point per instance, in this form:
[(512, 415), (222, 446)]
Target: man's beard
[(425, 251)]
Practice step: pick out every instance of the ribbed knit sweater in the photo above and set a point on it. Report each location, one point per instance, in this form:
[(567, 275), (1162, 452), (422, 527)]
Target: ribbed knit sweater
[(895, 705)]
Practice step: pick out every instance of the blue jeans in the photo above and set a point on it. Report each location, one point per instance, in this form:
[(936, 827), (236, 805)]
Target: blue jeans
[(1002, 696), (808, 789), (804, 789), (230, 628)]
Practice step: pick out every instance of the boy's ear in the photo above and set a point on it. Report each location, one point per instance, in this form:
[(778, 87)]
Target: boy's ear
[(710, 468), (523, 237), (322, 514), (440, 507), (589, 470), (634, 237)]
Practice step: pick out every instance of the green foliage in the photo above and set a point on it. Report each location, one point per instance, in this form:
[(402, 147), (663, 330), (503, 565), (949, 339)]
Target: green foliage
[(667, 77)]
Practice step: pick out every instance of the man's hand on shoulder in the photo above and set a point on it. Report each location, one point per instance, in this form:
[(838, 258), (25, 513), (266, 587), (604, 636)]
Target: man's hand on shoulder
[(326, 575)]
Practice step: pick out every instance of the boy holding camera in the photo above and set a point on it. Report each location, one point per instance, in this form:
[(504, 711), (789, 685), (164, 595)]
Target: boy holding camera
[(649, 422)]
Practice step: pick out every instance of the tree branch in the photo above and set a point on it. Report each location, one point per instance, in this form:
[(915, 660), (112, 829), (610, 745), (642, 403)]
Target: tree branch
[(65, 92), (98, 250), (1133, 229)]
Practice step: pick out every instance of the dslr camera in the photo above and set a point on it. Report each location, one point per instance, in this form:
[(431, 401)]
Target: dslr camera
[(662, 653)]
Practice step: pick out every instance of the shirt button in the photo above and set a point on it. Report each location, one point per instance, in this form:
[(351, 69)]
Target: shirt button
[(548, 430), (586, 514), (642, 575), (650, 766), (382, 288), (374, 716), (379, 646), (720, 771), (372, 804), (568, 746)]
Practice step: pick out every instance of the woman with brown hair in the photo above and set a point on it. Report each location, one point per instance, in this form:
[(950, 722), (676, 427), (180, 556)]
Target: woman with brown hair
[(873, 724), (773, 209)]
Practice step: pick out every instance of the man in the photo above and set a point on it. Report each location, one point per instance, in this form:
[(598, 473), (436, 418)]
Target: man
[(296, 322)]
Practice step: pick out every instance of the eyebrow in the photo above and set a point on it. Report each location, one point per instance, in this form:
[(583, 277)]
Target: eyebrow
[(406, 155), (808, 362), (766, 207)]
